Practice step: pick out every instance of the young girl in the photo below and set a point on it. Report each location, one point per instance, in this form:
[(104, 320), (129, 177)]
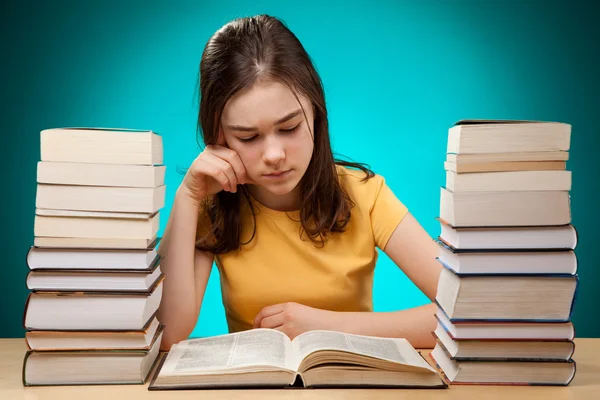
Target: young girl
[(293, 232)]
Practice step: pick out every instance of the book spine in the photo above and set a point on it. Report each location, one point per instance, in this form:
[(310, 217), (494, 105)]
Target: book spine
[(575, 294), (27, 257), (574, 373), (26, 357), (25, 310)]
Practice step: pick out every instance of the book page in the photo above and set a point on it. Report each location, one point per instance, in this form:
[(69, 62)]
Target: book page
[(258, 347), (207, 354), (312, 341), (261, 347), (393, 349)]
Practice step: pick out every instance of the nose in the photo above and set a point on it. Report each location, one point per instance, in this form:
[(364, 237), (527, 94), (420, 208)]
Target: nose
[(274, 151)]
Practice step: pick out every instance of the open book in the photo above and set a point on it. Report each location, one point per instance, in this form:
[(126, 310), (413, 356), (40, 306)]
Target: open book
[(268, 358)]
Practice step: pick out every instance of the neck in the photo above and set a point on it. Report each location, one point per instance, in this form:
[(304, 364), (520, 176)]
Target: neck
[(286, 202)]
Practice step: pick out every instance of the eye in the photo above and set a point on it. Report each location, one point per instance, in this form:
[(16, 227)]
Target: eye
[(291, 130), (246, 140)]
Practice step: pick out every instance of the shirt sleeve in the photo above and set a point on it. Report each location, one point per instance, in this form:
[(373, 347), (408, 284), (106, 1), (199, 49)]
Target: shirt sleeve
[(386, 213)]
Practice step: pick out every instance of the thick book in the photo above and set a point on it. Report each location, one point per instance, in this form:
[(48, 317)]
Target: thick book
[(503, 372), (73, 173), (516, 297), (268, 358), (512, 181), (532, 208), (91, 310), (504, 349), (140, 339), (110, 227), (39, 258), (101, 146), (507, 136), (506, 330), (561, 237), (498, 262), (56, 280), (91, 367), (100, 198)]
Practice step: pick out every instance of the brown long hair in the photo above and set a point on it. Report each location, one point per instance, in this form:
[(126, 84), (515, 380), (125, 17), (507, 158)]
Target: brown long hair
[(235, 57)]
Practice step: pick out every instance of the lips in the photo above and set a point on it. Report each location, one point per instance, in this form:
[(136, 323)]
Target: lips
[(277, 173)]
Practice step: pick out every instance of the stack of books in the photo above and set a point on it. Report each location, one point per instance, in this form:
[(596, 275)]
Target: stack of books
[(509, 281), (95, 280)]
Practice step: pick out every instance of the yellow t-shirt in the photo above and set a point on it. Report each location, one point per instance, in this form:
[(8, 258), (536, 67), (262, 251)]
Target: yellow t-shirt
[(278, 267)]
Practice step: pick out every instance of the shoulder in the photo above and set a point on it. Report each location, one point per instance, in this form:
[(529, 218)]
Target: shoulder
[(361, 189)]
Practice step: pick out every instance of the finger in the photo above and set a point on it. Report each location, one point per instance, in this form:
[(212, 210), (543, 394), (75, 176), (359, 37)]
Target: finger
[(215, 172), (234, 159), (272, 322), (225, 167), (267, 312)]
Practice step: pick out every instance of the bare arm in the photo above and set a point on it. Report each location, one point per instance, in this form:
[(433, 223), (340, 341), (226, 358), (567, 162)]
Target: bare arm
[(414, 251), (187, 269), (186, 272)]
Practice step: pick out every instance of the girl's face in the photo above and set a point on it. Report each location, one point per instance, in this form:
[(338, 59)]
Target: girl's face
[(266, 126)]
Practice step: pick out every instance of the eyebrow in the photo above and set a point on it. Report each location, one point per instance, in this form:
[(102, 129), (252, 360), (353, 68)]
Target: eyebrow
[(279, 121)]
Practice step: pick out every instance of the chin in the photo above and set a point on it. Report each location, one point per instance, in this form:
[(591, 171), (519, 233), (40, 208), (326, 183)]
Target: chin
[(280, 189)]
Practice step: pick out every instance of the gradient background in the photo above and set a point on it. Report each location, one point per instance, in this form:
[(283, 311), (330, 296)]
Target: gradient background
[(396, 74)]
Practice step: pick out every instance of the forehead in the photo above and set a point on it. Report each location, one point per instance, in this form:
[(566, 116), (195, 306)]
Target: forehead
[(262, 103)]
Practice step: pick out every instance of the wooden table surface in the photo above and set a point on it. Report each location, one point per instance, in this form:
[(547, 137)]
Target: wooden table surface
[(586, 385)]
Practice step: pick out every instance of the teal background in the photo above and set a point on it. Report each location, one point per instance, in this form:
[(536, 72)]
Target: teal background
[(397, 74)]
